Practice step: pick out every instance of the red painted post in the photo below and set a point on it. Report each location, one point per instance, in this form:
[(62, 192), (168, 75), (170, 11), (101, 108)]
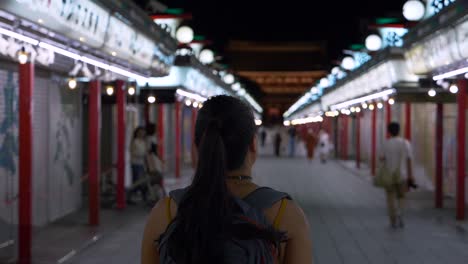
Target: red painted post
[(388, 116), (94, 113), (373, 141), (161, 131), (26, 87), (439, 148), (341, 136), (177, 138), (121, 105), (358, 140), (461, 148), (408, 121), (345, 137)]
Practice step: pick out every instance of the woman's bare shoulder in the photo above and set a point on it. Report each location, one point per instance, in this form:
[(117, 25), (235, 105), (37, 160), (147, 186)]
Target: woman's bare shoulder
[(158, 219)]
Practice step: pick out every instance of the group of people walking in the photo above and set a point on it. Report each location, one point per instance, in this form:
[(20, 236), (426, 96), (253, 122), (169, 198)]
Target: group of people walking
[(312, 141), (146, 164)]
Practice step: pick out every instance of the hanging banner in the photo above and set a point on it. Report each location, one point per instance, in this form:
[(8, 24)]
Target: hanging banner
[(89, 23), (441, 49), (124, 42), (462, 38), (81, 20)]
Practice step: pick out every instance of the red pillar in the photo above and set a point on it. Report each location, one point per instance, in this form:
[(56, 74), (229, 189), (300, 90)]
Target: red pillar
[(26, 86), (388, 116), (94, 112), (373, 141), (161, 131), (177, 138), (408, 121), (439, 147), (345, 137), (461, 148), (341, 136), (358, 140), (121, 105)]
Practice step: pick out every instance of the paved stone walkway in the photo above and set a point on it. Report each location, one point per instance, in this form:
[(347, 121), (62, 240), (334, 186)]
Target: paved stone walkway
[(347, 217)]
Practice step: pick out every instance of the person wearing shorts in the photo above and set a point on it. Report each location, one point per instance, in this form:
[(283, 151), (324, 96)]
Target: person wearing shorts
[(398, 157)]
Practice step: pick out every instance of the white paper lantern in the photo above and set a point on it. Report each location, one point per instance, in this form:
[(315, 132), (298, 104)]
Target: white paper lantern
[(229, 78), (348, 63), (110, 90), (184, 34), (72, 83), (335, 70), (206, 56), (324, 82), (373, 42), (453, 88), (414, 10), (151, 99)]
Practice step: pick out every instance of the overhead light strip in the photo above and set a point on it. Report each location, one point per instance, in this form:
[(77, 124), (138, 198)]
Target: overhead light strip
[(450, 74), (73, 55), (253, 103), (18, 36), (190, 95), (363, 99)]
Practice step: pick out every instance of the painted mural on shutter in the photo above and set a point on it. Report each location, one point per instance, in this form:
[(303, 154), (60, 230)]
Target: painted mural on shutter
[(65, 150), (8, 163)]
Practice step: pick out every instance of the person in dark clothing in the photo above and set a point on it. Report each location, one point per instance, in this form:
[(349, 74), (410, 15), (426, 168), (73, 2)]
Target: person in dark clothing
[(277, 144), (292, 141), (263, 137)]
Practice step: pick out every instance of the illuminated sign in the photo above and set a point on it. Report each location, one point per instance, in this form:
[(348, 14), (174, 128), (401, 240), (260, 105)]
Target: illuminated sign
[(87, 22), (81, 20), (392, 37), (126, 43), (443, 48), (435, 6)]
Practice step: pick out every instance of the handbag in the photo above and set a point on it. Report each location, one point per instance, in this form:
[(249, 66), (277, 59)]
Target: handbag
[(385, 178)]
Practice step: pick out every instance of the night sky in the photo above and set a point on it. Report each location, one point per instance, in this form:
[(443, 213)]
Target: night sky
[(340, 23)]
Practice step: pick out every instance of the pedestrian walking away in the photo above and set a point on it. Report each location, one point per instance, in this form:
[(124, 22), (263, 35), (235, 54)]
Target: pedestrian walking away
[(324, 147), (311, 143), (278, 140), (223, 217), (396, 172)]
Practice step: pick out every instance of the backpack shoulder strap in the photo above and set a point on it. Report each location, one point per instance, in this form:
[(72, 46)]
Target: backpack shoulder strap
[(279, 215), (177, 195), (265, 197)]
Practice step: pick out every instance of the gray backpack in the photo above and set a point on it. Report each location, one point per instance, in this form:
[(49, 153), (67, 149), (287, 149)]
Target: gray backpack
[(240, 251)]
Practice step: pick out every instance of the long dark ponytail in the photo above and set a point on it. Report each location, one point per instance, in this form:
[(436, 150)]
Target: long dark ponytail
[(224, 129)]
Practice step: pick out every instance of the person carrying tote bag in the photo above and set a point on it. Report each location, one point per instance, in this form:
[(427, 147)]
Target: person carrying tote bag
[(395, 155)]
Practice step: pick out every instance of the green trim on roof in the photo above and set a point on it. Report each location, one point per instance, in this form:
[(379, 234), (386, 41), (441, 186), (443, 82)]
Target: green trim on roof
[(175, 11), (387, 20), (357, 46), (199, 37)]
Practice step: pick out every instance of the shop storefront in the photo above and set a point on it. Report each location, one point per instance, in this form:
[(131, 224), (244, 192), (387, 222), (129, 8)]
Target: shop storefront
[(55, 57), (423, 87)]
